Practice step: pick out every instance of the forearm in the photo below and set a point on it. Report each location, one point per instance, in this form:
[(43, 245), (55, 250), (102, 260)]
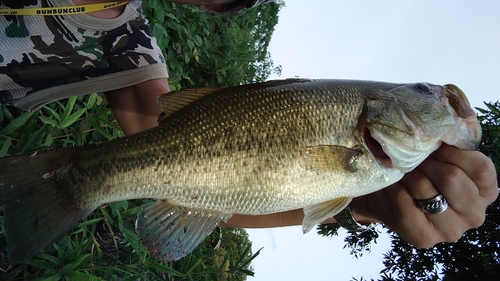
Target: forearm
[(288, 218), (293, 217)]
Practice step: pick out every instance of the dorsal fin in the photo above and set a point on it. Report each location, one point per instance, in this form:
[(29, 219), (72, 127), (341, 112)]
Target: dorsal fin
[(176, 100), (171, 102)]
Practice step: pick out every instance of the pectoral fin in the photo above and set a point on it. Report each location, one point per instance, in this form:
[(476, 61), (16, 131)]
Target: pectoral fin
[(315, 214), (170, 232), (330, 158)]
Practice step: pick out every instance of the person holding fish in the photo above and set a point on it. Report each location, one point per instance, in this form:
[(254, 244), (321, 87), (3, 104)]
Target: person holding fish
[(437, 199)]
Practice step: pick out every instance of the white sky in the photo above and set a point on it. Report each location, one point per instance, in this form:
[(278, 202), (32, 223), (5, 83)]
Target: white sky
[(437, 41)]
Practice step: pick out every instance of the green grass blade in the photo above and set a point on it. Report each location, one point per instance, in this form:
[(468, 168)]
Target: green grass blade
[(15, 124), (54, 113), (7, 114), (50, 258), (35, 139), (5, 147), (100, 130), (48, 120), (68, 108), (225, 260), (38, 263), (54, 277), (165, 269), (79, 260), (69, 120), (248, 261), (89, 222)]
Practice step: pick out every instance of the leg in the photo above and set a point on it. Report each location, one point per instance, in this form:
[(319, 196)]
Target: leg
[(136, 107)]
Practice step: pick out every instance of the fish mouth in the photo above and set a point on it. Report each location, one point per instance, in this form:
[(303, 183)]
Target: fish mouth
[(390, 153), (467, 133), (375, 148)]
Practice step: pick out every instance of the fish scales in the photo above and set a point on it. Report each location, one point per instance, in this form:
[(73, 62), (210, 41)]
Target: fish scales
[(240, 150), (251, 149)]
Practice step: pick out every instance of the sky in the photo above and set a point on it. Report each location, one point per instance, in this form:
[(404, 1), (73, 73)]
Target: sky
[(441, 42)]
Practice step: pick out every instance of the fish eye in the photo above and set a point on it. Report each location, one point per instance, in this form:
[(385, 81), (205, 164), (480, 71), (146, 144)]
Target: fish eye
[(423, 88)]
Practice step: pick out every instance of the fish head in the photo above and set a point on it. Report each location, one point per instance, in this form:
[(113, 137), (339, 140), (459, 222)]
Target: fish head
[(403, 125)]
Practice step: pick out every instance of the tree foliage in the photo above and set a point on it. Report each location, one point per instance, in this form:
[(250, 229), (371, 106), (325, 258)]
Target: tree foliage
[(200, 50), (357, 244), (476, 256), (205, 49)]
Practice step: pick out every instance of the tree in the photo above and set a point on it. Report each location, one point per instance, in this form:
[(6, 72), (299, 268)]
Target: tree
[(476, 256), (214, 49)]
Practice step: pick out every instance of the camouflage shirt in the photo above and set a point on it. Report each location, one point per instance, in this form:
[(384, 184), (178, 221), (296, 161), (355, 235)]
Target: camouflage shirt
[(47, 58)]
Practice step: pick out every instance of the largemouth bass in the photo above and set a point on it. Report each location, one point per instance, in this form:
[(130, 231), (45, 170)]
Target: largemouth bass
[(251, 149)]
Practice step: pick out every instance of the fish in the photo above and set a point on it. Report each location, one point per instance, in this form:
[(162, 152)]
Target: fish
[(249, 149)]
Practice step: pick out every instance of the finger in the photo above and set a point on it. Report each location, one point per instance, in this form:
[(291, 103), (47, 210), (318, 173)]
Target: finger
[(449, 180), (409, 222), (478, 167), (431, 228), (419, 185), (467, 207), (420, 188), (458, 188)]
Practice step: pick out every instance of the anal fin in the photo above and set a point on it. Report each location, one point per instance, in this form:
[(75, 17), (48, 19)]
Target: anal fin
[(317, 213), (170, 232)]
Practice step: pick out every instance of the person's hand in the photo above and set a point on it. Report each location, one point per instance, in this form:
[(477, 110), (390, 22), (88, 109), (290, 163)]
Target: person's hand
[(467, 179)]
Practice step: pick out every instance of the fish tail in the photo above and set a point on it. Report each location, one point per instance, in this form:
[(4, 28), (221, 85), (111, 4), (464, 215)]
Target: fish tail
[(37, 207)]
